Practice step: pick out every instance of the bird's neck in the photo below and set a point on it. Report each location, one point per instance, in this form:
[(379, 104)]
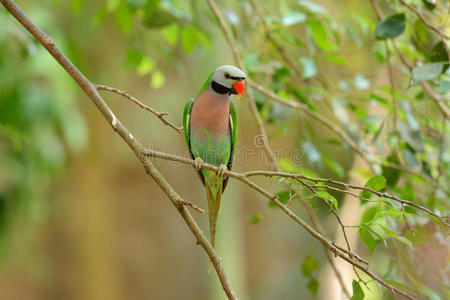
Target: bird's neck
[(220, 89)]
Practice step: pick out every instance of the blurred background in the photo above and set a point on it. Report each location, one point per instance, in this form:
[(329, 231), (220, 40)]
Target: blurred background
[(80, 219)]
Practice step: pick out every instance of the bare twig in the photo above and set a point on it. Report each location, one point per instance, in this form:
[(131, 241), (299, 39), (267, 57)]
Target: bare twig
[(91, 91), (160, 115)]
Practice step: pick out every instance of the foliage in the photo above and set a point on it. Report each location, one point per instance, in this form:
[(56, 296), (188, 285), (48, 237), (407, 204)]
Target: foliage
[(40, 125)]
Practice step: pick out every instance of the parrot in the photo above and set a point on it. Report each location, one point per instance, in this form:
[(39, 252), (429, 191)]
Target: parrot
[(210, 129)]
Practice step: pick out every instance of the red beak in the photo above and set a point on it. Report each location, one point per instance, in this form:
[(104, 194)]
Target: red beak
[(239, 86)]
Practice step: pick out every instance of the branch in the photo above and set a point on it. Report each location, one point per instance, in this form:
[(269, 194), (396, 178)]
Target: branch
[(441, 105), (160, 115), (271, 38), (424, 20), (243, 177), (346, 185), (254, 110), (91, 91), (300, 106)]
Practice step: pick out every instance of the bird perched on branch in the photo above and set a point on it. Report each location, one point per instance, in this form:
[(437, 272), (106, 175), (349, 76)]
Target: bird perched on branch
[(210, 129)]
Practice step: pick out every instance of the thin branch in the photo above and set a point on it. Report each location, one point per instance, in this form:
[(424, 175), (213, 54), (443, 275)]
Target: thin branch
[(274, 198), (91, 91), (300, 106), (346, 185), (271, 38), (160, 115), (437, 99), (314, 220), (441, 105), (424, 20)]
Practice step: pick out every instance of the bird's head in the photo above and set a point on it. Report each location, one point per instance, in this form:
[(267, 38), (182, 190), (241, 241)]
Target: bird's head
[(228, 80)]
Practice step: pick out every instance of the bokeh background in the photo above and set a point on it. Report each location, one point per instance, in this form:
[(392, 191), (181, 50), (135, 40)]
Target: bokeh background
[(80, 219)]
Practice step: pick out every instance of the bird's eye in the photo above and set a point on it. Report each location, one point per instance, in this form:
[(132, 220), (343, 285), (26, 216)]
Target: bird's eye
[(227, 75)]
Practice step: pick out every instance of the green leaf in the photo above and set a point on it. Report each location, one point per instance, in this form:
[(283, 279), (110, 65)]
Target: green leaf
[(283, 197), (124, 17), (440, 54), (426, 72), (146, 66), (392, 233), (77, 6), (254, 218), (171, 33), (368, 239), (101, 14), (292, 18), (444, 86), (333, 165), (358, 293), (390, 27), (377, 183), (133, 58), (190, 37), (286, 165), (158, 79), (112, 4), (309, 67), (339, 60), (313, 286), (329, 198), (370, 214), (136, 4), (320, 35), (309, 265)]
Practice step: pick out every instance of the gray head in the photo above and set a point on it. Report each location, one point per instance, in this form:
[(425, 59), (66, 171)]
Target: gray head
[(228, 79)]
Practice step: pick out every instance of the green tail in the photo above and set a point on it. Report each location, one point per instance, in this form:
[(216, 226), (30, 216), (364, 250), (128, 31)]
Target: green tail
[(214, 186)]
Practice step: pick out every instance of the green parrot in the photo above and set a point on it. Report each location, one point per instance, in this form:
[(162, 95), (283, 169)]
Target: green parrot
[(210, 129)]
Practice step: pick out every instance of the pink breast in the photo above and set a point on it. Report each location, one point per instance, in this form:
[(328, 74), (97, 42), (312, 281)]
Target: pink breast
[(211, 111)]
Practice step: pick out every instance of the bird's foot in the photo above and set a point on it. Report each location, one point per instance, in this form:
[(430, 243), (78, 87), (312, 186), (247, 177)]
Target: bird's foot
[(198, 163), (221, 171)]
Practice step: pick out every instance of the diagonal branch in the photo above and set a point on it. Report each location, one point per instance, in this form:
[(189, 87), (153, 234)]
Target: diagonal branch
[(91, 91), (243, 177)]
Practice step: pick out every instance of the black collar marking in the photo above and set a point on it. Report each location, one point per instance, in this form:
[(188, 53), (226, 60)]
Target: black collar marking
[(218, 88)]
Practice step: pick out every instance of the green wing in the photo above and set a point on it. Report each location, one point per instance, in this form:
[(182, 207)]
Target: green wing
[(233, 126), (187, 131), (233, 134), (187, 122)]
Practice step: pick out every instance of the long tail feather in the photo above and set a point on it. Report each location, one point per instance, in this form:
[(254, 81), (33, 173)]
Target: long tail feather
[(214, 210)]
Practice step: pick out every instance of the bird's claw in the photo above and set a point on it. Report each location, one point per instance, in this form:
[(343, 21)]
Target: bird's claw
[(221, 170), (198, 163)]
